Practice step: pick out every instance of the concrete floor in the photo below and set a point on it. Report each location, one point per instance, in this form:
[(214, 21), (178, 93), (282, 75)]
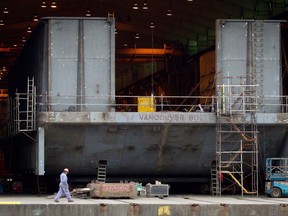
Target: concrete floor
[(181, 205)]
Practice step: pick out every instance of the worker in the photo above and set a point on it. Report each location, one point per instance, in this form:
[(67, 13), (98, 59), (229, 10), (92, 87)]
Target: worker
[(63, 186)]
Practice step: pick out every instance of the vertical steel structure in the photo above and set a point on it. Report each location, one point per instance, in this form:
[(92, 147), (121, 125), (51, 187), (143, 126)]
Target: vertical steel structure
[(246, 58)]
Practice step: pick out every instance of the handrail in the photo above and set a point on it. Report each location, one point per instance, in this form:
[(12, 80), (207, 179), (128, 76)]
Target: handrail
[(128, 103), (276, 168), (238, 183)]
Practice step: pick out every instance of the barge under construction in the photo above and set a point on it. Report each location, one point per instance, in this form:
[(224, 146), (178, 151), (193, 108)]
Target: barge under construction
[(67, 112)]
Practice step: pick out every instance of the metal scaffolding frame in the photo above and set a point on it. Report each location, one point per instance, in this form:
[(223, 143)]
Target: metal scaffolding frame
[(236, 163), (25, 108)]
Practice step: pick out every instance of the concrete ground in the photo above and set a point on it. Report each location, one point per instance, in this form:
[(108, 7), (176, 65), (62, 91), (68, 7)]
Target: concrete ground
[(178, 205)]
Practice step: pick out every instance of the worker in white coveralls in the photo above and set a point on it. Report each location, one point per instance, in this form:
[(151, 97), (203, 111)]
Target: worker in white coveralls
[(63, 186)]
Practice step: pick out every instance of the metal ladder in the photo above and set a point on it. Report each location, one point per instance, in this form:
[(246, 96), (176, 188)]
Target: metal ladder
[(30, 105), (215, 186), (101, 175)]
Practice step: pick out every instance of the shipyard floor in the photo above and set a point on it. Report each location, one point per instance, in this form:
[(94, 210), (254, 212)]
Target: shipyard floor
[(176, 205)]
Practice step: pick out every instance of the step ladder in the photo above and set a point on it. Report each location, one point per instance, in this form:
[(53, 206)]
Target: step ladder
[(215, 185), (101, 175)]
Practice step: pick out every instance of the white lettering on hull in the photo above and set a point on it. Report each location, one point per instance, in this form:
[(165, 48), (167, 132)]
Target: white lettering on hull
[(169, 117)]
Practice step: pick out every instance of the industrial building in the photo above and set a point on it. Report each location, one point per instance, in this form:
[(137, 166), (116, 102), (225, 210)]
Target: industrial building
[(182, 92)]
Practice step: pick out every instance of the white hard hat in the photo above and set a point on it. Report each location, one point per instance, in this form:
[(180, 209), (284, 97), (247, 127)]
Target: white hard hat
[(66, 170)]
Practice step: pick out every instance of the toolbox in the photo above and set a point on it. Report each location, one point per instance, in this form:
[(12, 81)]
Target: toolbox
[(157, 190)]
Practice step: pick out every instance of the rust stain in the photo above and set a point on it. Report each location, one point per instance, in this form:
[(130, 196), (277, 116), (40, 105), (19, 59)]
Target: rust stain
[(104, 116), (224, 208), (195, 208), (161, 147), (134, 209), (103, 207), (283, 207)]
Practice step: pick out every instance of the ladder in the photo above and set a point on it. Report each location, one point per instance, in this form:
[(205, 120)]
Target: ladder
[(101, 175), (215, 186), (25, 108), (30, 117)]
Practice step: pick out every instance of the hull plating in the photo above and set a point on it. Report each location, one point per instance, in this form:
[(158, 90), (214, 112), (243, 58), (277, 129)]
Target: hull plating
[(141, 147)]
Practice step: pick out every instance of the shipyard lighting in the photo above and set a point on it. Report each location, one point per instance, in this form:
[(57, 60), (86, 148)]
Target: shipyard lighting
[(29, 29), (135, 6), (5, 11), (145, 6), (53, 4), (88, 13), (43, 5), (35, 19), (169, 13)]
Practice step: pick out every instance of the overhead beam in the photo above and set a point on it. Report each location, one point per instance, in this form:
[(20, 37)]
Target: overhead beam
[(9, 50), (142, 55), (147, 51)]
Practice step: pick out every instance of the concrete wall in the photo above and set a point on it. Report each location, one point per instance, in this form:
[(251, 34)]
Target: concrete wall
[(144, 210)]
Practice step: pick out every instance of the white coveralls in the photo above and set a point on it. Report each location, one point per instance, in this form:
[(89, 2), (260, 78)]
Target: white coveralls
[(63, 187)]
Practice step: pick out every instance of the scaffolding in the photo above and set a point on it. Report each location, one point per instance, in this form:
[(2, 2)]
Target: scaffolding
[(236, 164), (25, 111)]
